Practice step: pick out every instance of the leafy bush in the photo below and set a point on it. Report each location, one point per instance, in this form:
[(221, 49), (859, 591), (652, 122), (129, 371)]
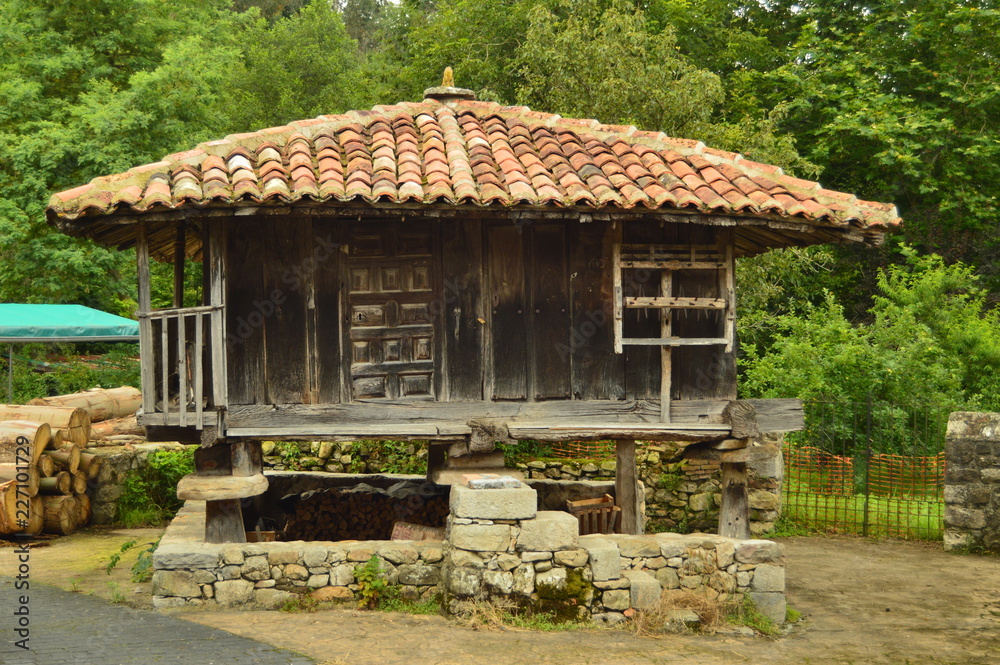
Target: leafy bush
[(42, 370), (149, 494)]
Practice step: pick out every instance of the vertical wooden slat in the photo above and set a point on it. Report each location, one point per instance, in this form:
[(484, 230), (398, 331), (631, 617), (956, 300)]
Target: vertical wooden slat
[(728, 291), (550, 345), (507, 316), (179, 266), (616, 271), (165, 366), (666, 290), (199, 371), (217, 282), (182, 369), (147, 360)]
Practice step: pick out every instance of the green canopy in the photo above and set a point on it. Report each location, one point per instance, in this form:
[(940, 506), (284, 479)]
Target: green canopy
[(63, 323)]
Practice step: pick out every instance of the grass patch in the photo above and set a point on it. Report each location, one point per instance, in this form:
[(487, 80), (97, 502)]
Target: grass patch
[(745, 613), (302, 603), (149, 494), (887, 517), (792, 615), (395, 603)]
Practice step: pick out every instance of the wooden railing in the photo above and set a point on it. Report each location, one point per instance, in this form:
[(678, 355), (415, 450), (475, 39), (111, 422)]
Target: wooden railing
[(183, 360)]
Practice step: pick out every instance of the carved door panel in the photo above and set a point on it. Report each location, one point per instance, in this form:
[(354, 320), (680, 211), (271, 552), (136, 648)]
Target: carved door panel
[(390, 318)]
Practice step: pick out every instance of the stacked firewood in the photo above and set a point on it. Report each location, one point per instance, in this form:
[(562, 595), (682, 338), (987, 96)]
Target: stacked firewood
[(362, 512), (45, 467)]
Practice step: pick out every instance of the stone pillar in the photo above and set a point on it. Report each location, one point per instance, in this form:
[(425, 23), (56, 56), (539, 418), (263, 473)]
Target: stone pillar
[(972, 481)]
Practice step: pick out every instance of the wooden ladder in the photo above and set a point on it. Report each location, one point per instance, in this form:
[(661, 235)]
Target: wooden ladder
[(667, 259)]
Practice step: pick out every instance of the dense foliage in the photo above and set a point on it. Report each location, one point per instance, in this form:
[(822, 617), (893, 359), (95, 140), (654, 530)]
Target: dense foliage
[(895, 101)]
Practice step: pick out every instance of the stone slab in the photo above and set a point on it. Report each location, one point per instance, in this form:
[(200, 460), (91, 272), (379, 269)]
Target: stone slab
[(644, 590), (605, 561), (517, 503), (549, 531)]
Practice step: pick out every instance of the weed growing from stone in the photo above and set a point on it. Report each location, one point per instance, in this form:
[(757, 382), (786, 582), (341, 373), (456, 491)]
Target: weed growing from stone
[(745, 613), (393, 603), (371, 582), (792, 615)]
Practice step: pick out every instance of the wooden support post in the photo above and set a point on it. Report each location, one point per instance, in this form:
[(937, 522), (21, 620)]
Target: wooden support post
[(666, 291), (627, 487), (147, 360), (224, 518), (179, 260), (437, 454), (734, 513), (217, 282)]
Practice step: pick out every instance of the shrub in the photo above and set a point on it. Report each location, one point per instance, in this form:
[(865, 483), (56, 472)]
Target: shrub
[(149, 494)]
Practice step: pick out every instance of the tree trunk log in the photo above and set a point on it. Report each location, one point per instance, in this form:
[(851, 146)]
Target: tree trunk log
[(91, 464), (61, 483), (119, 426), (99, 403), (10, 472), (67, 459), (60, 514), (83, 516), (39, 436), (75, 423), (79, 482), (46, 466)]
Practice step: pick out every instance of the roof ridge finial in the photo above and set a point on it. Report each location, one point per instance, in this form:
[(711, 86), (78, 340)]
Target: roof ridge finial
[(447, 92)]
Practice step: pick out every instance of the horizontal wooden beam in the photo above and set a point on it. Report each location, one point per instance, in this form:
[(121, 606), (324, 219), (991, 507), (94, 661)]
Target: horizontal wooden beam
[(674, 341), (748, 454), (644, 302), (620, 431), (674, 265)]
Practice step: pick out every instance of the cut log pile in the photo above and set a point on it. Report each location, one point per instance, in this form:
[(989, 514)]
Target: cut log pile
[(363, 512), (45, 468)]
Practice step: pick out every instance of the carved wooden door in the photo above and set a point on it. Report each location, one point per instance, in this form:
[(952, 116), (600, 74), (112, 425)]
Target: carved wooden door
[(389, 310)]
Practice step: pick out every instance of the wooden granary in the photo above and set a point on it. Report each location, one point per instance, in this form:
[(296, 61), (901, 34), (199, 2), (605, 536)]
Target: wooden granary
[(454, 271)]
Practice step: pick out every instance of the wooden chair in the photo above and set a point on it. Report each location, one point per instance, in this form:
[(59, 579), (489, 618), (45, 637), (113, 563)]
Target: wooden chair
[(596, 515)]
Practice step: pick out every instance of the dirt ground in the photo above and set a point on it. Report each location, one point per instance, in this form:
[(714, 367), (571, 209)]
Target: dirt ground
[(862, 601)]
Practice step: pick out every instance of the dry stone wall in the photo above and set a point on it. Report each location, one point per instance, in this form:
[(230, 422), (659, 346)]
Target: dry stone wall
[(498, 546), (972, 481)]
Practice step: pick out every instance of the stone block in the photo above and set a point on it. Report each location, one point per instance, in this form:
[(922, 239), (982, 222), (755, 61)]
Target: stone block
[(644, 590), (556, 577), (524, 579), (398, 553), (278, 557), (508, 561), (572, 558), (549, 531), (499, 581), (481, 537), (463, 581), (771, 605), (616, 599), (955, 516), (272, 597), (342, 575), (725, 553), (204, 577), (529, 557), (168, 602), (361, 553), (432, 554), (418, 574), (518, 503), (768, 578), (466, 559), (700, 502), (255, 568), (317, 581), (605, 561), (764, 500), (758, 551), (173, 556), (636, 546), (680, 621), (667, 577), (314, 557), (178, 583), (233, 592), (294, 571), (332, 594)]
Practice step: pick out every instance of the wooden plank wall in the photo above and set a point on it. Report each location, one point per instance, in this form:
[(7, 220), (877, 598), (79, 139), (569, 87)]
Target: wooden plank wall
[(524, 314)]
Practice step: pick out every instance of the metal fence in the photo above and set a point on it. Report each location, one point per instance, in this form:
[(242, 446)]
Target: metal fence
[(868, 468)]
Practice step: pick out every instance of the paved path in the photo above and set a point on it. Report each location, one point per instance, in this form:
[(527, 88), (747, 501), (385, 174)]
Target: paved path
[(75, 629)]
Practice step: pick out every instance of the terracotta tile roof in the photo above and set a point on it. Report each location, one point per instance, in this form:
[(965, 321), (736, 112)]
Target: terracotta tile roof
[(466, 153)]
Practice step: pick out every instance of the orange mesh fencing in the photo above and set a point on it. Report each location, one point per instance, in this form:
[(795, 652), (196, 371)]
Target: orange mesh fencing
[(816, 470), (904, 476), (583, 449)]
